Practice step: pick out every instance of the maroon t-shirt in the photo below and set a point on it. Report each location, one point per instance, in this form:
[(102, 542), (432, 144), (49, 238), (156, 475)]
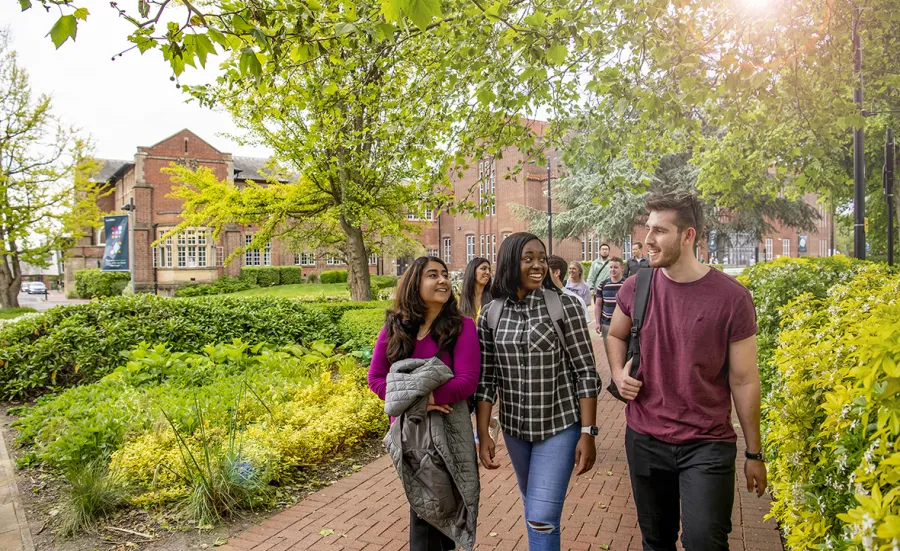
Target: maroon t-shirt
[(687, 329)]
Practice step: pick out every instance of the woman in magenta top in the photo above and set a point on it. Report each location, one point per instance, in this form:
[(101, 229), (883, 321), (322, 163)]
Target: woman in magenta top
[(425, 321)]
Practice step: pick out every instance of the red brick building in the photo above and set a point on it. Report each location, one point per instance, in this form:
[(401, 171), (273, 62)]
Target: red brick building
[(195, 257)]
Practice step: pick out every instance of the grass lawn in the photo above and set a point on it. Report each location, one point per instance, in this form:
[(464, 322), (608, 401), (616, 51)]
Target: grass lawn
[(10, 313), (297, 291)]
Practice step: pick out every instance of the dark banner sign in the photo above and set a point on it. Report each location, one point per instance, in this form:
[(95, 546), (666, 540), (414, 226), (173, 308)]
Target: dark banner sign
[(801, 245), (115, 255)]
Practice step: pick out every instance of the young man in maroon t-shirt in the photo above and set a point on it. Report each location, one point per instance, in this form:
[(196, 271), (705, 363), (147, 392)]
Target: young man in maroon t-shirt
[(698, 351)]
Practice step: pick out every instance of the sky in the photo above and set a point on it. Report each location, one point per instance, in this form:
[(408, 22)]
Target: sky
[(121, 104)]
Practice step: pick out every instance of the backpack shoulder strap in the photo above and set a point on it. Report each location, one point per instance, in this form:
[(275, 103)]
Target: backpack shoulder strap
[(641, 297), (495, 310), (555, 309)]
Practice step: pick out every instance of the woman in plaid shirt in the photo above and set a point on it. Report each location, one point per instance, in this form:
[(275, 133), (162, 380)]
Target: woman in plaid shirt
[(547, 389)]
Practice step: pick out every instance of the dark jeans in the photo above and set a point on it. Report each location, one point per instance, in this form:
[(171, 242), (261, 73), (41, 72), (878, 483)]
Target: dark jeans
[(693, 481), (425, 537)]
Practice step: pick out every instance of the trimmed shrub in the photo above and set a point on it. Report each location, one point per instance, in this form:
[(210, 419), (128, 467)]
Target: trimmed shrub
[(362, 326), (290, 275), (336, 310), (268, 276), (266, 411), (834, 416), (250, 274), (312, 277), (221, 286), (75, 344), (333, 276), (776, 283), (95, 283), (382, 282)]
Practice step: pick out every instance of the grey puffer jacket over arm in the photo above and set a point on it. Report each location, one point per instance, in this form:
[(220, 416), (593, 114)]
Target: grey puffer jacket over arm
[(433, 452)]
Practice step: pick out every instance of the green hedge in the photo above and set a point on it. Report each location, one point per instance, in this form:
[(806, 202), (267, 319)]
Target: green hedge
[(333, 276), (336, 310), (70, 345), (383, 282), (223, 285), (264, 276), (362, 326), (776, 283), (290, 275), (834, 414), (93, 283)]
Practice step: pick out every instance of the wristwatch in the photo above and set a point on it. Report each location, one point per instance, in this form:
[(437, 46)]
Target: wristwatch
[(592, 430), (755, 456)]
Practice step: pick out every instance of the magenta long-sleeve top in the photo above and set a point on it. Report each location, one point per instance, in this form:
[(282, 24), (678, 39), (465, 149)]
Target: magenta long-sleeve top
[(465, 363)]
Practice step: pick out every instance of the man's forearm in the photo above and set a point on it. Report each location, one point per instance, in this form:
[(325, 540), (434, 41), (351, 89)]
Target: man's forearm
[(747, 404), (616, 351)]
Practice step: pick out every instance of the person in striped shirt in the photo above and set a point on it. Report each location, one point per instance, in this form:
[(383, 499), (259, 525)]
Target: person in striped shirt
[(607, 291)]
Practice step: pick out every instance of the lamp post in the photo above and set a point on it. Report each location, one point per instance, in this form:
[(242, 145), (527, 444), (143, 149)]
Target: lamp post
[(859, 170), (129, 208), (549, 209), (889, 192)]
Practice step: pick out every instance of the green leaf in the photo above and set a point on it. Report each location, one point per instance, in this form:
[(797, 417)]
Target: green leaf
[(422, 11), (24, 4), (249, 63), (391, 9), (537, 19), (331, 89), (82, 13), (557, 53), (64, 29), (218, 38), (326, 532)]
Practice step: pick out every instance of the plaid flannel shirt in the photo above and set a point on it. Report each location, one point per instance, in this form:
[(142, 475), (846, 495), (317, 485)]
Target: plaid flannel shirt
[(539, 380)]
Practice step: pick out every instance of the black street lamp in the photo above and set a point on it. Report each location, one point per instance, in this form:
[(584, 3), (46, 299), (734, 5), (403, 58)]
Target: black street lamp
[(859, 152)]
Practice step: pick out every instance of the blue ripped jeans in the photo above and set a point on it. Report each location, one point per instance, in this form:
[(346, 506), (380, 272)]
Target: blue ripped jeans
[(543, 470)]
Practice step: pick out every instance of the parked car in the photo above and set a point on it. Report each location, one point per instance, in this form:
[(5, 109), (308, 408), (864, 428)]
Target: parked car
[(37, 288), (25, 286)]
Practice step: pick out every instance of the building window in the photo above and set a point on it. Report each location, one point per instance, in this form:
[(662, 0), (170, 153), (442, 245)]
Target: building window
[(164, 251), (505, 235), (470, 248), (770, 249), (305, 259), (626, 254), (414, 216), (786, 247), (487, 182), (429, 215), (334, 261), (433, 252), (100, 236), (590, 247), (823, 247), (493, 248), (447, 250), (220, 256), (192, 249), (253, 257), (373, 259), (483, 238)]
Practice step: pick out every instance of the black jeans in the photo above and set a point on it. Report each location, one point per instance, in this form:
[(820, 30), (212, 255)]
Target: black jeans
[(425, 537), (693, 481)]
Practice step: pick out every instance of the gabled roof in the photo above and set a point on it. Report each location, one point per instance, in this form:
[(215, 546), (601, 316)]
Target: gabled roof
[(189, 131), (250, 168), (111, 169)]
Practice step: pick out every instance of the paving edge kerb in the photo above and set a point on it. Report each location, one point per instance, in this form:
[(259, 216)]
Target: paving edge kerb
[(9, 477)]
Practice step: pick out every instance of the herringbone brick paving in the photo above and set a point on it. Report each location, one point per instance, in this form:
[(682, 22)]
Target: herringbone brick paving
[(368, 509)]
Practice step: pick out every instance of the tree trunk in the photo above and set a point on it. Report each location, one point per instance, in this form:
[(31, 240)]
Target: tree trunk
[(357, 262), (10, 283)]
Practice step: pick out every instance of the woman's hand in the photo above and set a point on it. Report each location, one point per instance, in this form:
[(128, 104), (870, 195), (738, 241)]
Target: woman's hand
[(487, 451), (434, 407), (585, 454)]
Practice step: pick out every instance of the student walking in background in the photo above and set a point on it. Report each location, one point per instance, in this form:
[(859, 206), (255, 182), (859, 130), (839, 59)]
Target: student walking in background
[(607, 292), (637, 260), (424, 323), (698, 354), (576, 282), (476, 287), (546, 378)]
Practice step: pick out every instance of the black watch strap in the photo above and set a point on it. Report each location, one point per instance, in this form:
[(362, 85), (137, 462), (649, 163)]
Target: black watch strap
[(755, 456)]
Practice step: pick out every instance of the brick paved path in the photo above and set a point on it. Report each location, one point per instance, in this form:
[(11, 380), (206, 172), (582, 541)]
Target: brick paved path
[(368, 510)]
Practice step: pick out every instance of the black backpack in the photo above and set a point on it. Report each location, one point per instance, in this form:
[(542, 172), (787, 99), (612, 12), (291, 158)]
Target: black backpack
[(641, 298)]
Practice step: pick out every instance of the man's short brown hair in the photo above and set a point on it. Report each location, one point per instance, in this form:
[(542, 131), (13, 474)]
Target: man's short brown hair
[(617, 259), (688, 212)]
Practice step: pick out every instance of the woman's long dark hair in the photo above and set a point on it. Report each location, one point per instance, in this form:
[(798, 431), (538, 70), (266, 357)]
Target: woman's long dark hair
[(467, 293), (508, 275), (405, 318)]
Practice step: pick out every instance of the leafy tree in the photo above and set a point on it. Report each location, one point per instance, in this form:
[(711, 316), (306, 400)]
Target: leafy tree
[(46, 198), (610, 203)]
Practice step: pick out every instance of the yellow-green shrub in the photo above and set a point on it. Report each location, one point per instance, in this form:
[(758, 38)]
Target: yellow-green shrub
[(303, 426), (834, 417)]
